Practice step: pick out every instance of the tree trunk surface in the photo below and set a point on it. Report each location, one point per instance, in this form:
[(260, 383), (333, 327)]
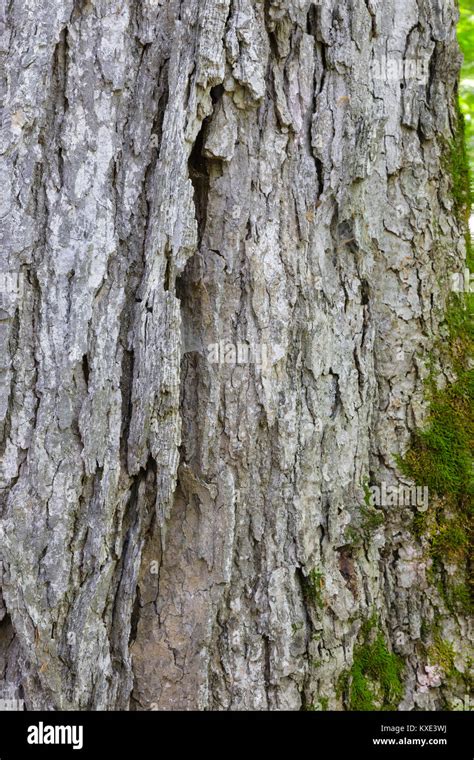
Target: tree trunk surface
[(180, 177)]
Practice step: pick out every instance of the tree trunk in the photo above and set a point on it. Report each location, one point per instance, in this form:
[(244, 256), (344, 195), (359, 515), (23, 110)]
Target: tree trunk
[(181, 528)]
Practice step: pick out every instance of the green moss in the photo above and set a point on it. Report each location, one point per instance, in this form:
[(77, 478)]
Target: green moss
[(451, 540), (353, 536), (441, 653), (314, 587), (367, 494), (441, 456), (371, 520), (425, 629), (324, 702), (419, 521), (374, 681), (320, 706), (460, 596), (342, 684), (460, 330), (456, 164), (466, 86)]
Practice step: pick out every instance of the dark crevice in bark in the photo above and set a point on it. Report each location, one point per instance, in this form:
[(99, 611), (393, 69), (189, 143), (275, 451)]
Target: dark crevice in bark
[(188, 291), (199, 169), (336, 402), (59, 80), (11, 686), (432, 73), (134, 248), (135, 618), (192, 372), (347, 568), (169, 279), (313, 23), (267, 667), (216, 93), (373, 19), (137, 519), (85, 369), (312, 19), (162, 96), (13, 345), (126, 383), (365, 293), (320, 174), (360, 373), (270, 28), (146, 475), (324, 68)]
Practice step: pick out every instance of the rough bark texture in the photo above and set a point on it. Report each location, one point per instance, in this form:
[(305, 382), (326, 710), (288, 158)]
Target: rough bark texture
[(175, 173)]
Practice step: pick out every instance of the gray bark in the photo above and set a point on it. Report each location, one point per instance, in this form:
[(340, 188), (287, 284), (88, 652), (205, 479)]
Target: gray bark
[(175, 174)]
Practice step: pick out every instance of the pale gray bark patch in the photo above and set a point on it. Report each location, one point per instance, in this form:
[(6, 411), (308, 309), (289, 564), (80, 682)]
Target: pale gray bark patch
[(175, 174)]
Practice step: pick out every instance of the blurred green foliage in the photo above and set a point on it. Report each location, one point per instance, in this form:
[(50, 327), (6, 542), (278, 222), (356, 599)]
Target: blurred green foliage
[(466, 89)]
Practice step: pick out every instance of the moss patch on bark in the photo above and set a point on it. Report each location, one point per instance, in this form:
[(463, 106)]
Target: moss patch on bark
[(374, 681), (441, 455)]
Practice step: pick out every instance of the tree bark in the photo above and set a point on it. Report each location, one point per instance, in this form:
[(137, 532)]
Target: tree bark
[(174, 531)]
